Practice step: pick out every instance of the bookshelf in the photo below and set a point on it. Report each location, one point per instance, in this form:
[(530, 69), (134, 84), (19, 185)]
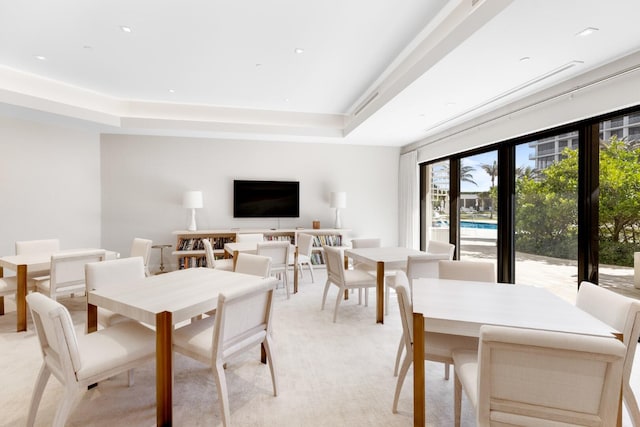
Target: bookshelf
[(190, 250)]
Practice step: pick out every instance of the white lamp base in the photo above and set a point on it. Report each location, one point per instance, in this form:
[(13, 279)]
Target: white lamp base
[(338, 223), (192, 224)]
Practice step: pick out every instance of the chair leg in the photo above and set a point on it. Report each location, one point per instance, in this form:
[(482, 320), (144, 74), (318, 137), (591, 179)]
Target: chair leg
[(285, 280), (70, 398), (398, 355), (130, 378), (457, 399), (386, 299), (223, 396), (447, 368), (313, 280), (268, 348), (41, 382), (338, 299), (366, 296), (324, 295), (406, 363), (631, 403)]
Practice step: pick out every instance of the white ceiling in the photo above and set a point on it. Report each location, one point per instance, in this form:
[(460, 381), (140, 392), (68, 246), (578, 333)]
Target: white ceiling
[(375, 72)]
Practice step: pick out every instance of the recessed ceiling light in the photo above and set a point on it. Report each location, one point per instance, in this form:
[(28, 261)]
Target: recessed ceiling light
[(286, 100), (172, 91), (587, 31), (125, 29), (298, 50), (41, 58)]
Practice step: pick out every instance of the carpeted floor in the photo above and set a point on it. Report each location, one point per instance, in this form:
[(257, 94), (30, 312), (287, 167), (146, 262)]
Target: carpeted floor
[(330, 374)]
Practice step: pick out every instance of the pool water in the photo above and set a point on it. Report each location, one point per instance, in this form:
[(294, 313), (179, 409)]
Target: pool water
[(482, 225)]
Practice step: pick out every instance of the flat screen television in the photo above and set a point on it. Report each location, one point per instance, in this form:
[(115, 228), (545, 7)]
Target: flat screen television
[(266, 199)]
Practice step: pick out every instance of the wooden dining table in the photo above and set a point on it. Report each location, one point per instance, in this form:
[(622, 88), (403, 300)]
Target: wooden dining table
[(24, 264), (232, 249), (382, 258), (458, 307), (164, 301)]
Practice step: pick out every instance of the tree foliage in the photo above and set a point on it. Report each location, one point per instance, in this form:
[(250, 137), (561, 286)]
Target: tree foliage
[(546, 213)]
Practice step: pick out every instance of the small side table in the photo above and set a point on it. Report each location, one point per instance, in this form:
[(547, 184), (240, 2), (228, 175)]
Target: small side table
[(161, 247)]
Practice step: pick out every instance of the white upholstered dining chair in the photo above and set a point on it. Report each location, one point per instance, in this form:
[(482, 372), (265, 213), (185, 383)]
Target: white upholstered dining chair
[(540, 378), (212, 262), (27, 247), (142, 248), (623, 314), (372, 242), (278, 251), (242, 320), (418, 266), (305, 249), (249, 237), (67, 276), (437, 347), (99, 275), (437, 247), (478, 271), (79, 361), (344, 279), (256, 265)]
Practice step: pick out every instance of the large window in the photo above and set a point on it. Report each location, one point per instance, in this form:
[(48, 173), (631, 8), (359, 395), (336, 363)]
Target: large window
[(567, 208), (478, 206), (546, 215), (619, 201)]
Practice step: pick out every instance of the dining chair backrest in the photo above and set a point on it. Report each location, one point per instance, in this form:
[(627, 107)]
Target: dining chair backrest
[(424, 265), (622, 314), (477, 271), (113, 272), (406, 308), (334, 257), (142, 248), (249, 237), (366, 243), (533, 375), (276, 250), (56, 335), (243, 319), (437, 247), (208, 251), (67, 270), (305, 244), (27, 247), (256, 265)]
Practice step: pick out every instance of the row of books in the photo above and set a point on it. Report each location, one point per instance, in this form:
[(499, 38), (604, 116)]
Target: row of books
[(195, 243), (329, 240), (191, 262)]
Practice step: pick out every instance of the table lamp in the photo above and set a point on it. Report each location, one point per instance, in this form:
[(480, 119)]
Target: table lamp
[(338, 201), (192, 200)]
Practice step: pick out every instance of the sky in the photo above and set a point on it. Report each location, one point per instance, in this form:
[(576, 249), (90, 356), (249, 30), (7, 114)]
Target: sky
[(481, 177)]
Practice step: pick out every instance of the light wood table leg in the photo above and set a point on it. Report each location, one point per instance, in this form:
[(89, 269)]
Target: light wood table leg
[(92, 318), (21, 298), (380, 292), (1, 298), (164, 368), (418, 371)]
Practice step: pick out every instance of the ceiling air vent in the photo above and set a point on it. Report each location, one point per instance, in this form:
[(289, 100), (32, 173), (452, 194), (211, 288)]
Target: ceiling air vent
[(365, 103)]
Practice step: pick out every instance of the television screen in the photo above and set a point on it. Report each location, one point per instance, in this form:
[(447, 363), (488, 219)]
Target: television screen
[(266, 199)]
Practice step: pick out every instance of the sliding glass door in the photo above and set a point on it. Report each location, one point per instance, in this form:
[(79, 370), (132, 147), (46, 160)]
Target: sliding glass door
[(546, 213)]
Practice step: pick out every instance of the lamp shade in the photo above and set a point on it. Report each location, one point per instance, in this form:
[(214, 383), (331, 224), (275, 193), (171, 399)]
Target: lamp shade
[(192, 200), (338, 199)]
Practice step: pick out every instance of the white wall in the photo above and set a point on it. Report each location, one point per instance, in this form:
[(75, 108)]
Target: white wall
[(144, 177), (49, 184)]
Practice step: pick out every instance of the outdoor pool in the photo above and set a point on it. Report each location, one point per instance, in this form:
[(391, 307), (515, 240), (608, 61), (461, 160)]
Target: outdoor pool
[(483, 225)]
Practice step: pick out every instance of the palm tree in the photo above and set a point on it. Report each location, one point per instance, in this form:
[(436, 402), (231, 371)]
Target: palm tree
[(492, 171)]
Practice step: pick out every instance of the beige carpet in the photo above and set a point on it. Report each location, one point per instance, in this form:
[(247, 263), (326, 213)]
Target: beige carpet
[(330, 375)]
